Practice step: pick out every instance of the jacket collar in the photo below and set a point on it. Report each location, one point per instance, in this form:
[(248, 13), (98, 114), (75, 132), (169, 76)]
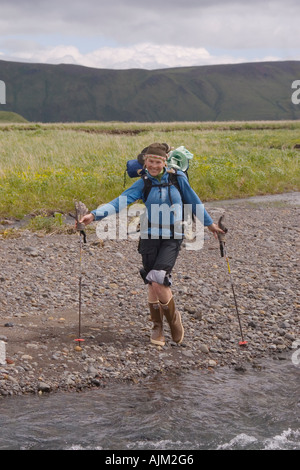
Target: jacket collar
[(163, 178)]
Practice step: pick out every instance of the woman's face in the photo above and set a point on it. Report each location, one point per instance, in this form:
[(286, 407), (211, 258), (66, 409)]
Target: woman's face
[(154, 165)]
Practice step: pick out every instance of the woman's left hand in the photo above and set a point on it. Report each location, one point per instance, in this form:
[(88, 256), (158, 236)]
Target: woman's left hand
[(215, 229)]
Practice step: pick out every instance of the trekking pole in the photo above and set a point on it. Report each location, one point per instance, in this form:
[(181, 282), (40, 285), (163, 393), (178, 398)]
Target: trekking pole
[(223, 250), (79, 291), (80, 210)]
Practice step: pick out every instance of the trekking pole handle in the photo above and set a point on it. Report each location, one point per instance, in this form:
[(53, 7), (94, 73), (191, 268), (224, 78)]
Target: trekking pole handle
[(221, 236)]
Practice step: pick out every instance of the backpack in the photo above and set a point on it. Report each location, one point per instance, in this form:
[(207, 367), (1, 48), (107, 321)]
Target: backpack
[(178, 159)]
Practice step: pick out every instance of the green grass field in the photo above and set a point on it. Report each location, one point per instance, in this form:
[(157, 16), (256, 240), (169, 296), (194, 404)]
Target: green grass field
[(45, 167)]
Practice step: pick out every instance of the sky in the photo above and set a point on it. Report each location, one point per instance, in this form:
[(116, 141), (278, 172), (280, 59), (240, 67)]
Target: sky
[(152, 34)]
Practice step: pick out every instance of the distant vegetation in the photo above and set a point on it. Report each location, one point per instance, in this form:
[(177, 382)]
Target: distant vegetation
[(45, 167), (6, 116), (69, 93)]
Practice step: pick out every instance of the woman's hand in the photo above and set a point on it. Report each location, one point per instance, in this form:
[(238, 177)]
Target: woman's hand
[(87, 219), (215, 229)]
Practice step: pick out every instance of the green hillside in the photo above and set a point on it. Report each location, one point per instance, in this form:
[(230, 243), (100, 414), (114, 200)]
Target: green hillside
[(69, 93), (7, 116)]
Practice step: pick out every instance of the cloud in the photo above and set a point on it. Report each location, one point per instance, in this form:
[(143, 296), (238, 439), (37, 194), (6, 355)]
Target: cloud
[(144, 55), (142, 34), (192, 23)]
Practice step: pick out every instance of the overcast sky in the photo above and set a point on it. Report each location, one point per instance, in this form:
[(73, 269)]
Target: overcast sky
[(150, 34)]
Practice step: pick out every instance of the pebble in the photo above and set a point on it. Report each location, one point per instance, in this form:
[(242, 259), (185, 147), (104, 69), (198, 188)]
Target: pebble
[(204, 348), (44, 387), (39, 308)]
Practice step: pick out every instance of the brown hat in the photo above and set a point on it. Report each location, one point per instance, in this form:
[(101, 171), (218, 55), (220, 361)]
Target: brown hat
[(156, 150)]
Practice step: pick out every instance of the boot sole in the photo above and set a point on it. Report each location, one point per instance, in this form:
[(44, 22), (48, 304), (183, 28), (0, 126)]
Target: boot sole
[(157, 342)]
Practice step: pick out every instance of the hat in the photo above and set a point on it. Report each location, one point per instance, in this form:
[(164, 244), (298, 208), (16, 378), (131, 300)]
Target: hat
[(156, 150)]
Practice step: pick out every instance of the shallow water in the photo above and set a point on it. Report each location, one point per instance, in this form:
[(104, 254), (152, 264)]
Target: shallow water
[(226, 409)]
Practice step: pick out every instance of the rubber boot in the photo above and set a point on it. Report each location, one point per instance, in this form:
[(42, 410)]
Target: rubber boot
[(174, 319), (157, 334)]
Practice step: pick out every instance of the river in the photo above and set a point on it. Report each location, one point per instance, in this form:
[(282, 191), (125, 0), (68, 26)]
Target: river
[(226, 409)]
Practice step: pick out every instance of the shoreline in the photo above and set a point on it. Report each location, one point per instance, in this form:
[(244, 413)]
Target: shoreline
[(39, 303)]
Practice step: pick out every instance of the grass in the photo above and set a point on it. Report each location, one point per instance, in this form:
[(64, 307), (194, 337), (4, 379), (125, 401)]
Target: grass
[(45, 167)]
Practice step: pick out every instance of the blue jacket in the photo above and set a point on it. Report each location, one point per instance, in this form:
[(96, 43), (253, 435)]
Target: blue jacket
[(160, 218)]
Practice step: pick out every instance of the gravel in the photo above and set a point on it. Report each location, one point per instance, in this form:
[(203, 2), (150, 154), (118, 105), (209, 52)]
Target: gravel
[(39, 319)]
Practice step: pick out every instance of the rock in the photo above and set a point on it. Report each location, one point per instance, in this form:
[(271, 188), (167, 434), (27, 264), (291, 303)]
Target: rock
[(212, 363), (240, 368), (44, 387), (26, 357), (204, 348), (31, 251), (190, 309), (92, 370)]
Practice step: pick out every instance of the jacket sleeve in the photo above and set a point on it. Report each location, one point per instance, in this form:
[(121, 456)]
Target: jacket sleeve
[(130, 195), (190, 197)]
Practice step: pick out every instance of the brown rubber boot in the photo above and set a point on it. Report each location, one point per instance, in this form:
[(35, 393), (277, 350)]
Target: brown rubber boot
[(157, 334), (174, 319)]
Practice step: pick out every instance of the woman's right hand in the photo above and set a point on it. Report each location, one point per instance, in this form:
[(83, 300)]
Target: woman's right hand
[(87, 219)]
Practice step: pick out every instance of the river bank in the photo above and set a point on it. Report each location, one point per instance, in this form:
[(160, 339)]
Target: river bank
[(39, 303)]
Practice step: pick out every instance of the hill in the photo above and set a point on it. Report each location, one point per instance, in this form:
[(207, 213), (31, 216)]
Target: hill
[(7, 116), (71, 93)]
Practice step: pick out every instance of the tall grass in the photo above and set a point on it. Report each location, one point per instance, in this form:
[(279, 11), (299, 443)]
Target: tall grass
[(44, 167)]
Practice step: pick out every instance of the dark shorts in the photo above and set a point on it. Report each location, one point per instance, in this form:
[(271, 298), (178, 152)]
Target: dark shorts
[(159, 254)]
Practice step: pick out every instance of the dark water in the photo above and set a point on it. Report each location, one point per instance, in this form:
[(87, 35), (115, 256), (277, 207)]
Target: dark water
[(226, 409)]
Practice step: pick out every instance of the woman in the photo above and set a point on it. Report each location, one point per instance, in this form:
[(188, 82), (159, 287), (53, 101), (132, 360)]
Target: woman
[(161, 235)]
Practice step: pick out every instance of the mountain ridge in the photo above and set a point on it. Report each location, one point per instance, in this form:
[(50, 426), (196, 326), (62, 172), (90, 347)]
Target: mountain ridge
[(75, 93)]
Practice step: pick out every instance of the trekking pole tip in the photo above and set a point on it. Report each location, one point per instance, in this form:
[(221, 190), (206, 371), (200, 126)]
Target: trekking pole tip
[(243, 343), (78, 347)]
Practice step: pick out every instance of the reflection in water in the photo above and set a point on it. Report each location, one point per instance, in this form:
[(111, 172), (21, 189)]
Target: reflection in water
[(256, 409)]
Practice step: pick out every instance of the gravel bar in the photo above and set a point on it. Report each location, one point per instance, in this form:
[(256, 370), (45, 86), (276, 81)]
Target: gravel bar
[(39, 312)]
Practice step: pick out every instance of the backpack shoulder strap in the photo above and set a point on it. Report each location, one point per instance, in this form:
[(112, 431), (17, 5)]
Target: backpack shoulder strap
[(147, 186), (173, 180), (173, 177)]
